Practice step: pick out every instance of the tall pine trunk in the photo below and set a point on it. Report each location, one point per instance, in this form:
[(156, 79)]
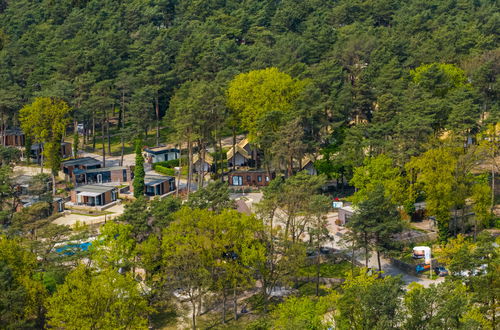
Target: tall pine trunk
[(40, 150), (2, 127), (93, 132), (202, 167), (221, 160), (235, 304), (107, 129), (224, 298), (190, 164), (103, 138), (157, 110), (234, 148), (122, 127), (290, 166), (180, 169)]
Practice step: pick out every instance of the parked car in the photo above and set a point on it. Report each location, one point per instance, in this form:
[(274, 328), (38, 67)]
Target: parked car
[(441, 271)]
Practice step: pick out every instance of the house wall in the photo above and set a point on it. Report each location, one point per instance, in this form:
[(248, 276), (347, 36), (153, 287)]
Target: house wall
[(197, 167), (239, 160), (117, 175), (107, 198), (14, 140), (155, 158), (309, 168), (66, 150), (73, 196), (55, 207), (249, 179), (344, 216)]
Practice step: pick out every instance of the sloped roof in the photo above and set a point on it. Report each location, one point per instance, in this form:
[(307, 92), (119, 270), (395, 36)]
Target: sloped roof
[(243, 143), (208, 158), (239, 150), (309, 159)]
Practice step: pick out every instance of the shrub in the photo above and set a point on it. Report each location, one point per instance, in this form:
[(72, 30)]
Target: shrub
[(164, 170), (169, 163)]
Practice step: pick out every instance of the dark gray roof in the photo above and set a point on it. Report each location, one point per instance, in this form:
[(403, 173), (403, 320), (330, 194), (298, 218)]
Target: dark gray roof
[(160, 150), (102, 169), (94, 188), (14, 131), (151, 180), (81, 161)]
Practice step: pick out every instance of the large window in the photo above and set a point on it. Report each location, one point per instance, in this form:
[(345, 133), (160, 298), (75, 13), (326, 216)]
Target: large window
[(259, 178), (237, 180)]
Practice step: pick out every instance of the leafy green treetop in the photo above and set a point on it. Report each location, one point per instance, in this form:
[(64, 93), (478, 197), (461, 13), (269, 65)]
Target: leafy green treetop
[(46, 120), (260, 92)]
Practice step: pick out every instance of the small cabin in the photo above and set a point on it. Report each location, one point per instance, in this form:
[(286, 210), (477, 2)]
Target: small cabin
[(161, 154), (199, 165), (307, 164), (158, 185), (84, 163), (345, 213), (37, 150), (13, 137), (94, 195), (56, 205), (115, 174), (244, 154)]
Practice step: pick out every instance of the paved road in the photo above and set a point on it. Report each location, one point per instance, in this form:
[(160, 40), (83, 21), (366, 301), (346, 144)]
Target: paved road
[(388, 269)]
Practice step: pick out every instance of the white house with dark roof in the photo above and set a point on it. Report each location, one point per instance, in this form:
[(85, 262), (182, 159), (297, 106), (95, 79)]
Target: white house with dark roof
[(94, 195), (161, 154)]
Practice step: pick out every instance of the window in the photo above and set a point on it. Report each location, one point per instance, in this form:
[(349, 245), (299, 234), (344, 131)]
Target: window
[(259, 178), (249, 178), (237, 180), (267, 178), (124, 175)]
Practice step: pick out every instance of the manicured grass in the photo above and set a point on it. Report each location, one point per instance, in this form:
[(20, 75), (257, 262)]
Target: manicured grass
[(116, 143), (331, 270), (309, 289)]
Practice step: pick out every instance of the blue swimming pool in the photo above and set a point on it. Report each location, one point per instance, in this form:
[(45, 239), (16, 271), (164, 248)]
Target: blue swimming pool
[(71, 249)]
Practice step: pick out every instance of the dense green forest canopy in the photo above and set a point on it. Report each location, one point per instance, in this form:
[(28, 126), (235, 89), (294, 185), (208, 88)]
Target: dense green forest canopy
[(358, 55)]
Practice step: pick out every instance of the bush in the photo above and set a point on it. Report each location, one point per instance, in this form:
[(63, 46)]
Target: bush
[(164, 170), (169, 163)]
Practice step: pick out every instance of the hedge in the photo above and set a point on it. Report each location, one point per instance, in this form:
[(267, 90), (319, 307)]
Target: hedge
[(164, 170)]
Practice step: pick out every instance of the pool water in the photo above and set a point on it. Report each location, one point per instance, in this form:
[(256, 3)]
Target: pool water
[(71, 249)]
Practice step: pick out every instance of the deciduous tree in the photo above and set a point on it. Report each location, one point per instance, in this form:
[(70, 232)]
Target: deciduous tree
[(45, 120)]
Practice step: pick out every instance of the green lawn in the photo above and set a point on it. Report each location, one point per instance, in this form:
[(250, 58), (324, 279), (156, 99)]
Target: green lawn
[(331, 270)]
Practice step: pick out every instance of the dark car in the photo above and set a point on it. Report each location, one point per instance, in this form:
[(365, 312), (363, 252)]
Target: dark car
[(441, 271)]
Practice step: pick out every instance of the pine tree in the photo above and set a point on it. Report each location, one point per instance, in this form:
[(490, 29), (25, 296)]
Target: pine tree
[(139, 172)]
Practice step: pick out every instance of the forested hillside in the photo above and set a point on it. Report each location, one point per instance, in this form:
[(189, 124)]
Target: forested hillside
[(298, 164), (358, 56)]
